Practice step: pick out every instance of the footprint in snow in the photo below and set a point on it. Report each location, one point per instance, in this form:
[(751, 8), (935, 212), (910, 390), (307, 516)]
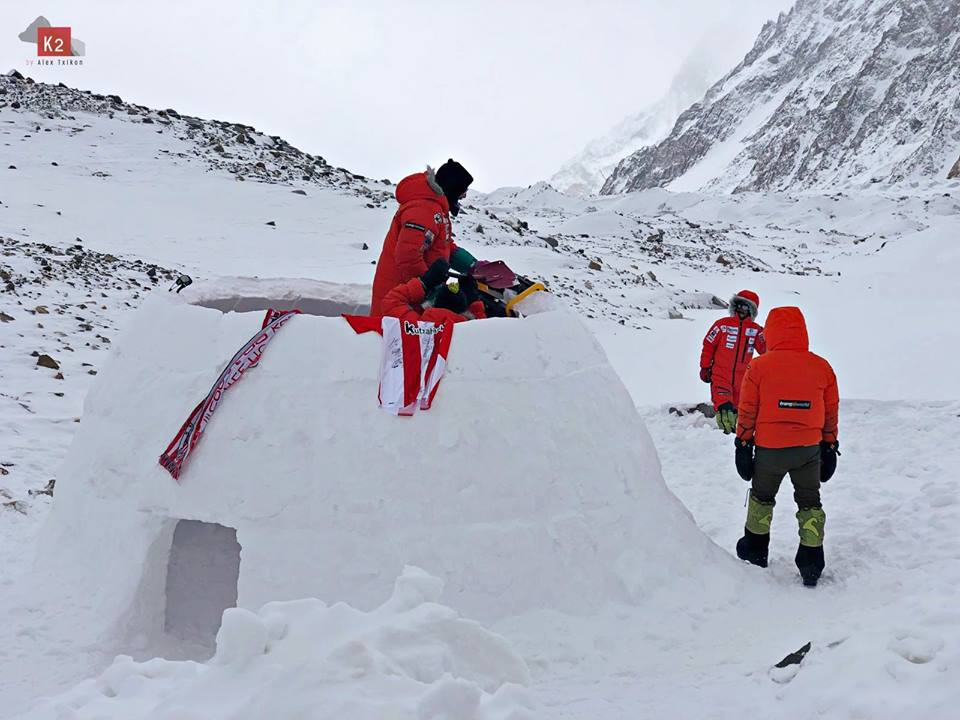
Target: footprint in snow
[(916, 648)]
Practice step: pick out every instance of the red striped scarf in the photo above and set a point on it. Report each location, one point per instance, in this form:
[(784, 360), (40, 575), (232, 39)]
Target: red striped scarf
[(247, 357)]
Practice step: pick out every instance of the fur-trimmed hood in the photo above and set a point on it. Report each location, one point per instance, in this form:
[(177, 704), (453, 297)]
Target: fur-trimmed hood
[(749, 297), (422, 186), (432, 180)]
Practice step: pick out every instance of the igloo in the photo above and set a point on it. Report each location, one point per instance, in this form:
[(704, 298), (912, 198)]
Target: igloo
[(531, 483)]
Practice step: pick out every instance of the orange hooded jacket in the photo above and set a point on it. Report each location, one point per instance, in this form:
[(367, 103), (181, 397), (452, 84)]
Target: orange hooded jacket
[(419, 234), (789, 396)]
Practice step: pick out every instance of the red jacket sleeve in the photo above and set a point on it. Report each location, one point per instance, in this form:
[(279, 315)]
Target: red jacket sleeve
[(749, 404), (831, 408), (417, 231), (761, 344), (404, 300), (477, 311), (709, 346), (442, 315)]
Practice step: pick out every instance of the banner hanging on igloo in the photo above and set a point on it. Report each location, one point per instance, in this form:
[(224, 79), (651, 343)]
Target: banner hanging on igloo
[(246, 357), (414, 358)]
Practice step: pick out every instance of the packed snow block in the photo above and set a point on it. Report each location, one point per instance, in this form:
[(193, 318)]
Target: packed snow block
[(531, 483)]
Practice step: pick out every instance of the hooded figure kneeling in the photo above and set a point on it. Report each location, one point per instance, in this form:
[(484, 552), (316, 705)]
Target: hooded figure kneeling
[(421, 232)]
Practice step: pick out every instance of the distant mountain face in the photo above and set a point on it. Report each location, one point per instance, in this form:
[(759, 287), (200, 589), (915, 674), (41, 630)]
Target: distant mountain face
[(724, 44), (834, 93), (585, 173)]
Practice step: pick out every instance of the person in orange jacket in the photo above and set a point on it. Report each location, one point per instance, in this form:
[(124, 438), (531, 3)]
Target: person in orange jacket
[(452, 303), (420, 232), (728, 348), (789, 407)]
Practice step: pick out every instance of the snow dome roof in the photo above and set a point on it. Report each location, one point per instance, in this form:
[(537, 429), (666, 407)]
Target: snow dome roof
[(531, 482)]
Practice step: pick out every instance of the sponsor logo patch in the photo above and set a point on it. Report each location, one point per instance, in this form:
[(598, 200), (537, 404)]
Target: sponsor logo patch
[(411, 329), (795, 404)]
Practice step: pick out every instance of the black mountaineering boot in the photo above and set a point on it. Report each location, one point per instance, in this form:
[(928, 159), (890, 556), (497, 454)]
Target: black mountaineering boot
[(811, 522), (810, 564), (753, 548)]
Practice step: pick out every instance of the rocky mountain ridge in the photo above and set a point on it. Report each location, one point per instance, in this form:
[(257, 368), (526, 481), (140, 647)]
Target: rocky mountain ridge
[(834, 94), (236, 148)]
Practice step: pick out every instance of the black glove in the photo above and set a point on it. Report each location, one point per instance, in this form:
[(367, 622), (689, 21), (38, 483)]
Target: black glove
[(744, 458), (435, 274), (828, 459), (453, 301), (468, 286), (706, 374)]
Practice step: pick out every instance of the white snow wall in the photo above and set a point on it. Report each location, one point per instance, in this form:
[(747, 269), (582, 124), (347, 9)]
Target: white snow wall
[(531, 483)]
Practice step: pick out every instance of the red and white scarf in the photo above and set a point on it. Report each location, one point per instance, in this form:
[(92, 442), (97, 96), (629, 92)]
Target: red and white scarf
[(413, 361), (247, 357)]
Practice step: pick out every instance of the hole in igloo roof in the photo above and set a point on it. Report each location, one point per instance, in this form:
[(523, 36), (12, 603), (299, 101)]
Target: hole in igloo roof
[(307, 305), (312, 297)]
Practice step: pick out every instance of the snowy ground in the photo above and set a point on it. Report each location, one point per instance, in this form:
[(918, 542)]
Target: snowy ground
[(874, 273), (884, 622)]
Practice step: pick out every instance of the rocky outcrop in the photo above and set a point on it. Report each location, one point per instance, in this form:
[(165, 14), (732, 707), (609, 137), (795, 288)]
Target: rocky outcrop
[(231, 147), (835, 93)]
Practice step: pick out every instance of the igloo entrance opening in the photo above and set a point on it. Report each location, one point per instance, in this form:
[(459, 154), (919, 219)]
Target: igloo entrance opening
[(202, 575), (308, 305)]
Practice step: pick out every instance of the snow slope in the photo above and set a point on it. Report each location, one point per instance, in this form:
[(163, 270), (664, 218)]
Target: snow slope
[(883, 623), (854, 263), (834, 94), (874, 271)]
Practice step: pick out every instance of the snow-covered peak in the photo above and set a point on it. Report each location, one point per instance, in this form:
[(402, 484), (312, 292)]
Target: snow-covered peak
[(585, 173), (539, 195), (834, 93)]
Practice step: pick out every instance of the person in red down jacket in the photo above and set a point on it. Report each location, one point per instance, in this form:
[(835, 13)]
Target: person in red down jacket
[(420, 232), (408, 301), (728, 348)]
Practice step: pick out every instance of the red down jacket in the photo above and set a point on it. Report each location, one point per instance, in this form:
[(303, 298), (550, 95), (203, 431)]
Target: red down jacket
[(405, 301), (727, 349), (419, 234)]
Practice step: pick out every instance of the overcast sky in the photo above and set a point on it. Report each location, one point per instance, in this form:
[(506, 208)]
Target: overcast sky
[(512, 89)]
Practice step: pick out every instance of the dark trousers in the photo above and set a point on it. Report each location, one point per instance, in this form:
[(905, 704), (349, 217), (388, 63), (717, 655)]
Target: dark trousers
[(803, 465)]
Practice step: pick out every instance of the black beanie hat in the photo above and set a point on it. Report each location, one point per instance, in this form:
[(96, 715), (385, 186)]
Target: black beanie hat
[(454, 179)]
